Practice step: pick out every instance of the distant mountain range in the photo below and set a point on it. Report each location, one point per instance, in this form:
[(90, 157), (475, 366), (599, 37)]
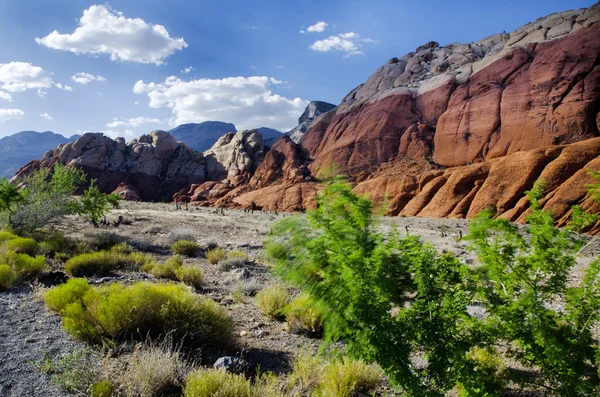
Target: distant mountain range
[(19, 149)]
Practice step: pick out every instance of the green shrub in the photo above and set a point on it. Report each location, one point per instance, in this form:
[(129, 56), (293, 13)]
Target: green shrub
[(73, 291), (342, 377), (138, 311), (5, 236), (184, 247), (345, 378), (25, 266), (303, 315), (103, 388), (190, 275), (272, 300), (168, 269), (22, 245), (105, 262), (52, 243), (215, 255), (392, 299), (210, 383), (359, 275), (7, 277), (238, 294)]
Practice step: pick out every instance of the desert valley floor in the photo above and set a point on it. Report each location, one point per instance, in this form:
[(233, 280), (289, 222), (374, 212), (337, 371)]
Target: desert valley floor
[(28, 332)]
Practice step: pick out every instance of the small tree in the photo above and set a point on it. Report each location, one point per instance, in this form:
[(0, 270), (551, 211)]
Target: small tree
[(45, 196)]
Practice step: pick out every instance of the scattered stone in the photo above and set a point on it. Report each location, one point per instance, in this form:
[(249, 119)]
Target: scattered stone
[(230, 364)]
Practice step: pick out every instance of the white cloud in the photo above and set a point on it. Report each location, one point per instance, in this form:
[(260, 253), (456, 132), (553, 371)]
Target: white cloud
[(187, 70), (10, 114), (317, 27), (345, 42), (103, 30), (6, 96), (134, 122), (252, 67), (22, 76), (46, 116), (248, 102), (85, 78), (127, 134)]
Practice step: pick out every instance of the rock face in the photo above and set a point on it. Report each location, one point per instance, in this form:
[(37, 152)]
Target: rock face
[(201, 136), (312, 111), (535, 87), (152, 167), (24, 146)]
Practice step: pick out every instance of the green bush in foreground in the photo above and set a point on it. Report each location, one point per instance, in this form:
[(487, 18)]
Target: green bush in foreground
[(105, 262), (184, 247), (7, 277), (272, 300), (392, 299), (137, 311)]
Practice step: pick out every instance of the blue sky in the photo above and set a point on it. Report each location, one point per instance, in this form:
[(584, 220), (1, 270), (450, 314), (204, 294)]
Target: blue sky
[(122, 67)]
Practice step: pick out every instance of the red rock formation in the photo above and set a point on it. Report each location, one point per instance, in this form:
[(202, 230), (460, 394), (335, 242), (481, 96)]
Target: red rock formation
[(127, 191)]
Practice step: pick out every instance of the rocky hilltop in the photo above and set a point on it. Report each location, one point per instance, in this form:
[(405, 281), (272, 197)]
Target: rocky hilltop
[(313, 110), (444, 131), (201, 136), (24, 146)]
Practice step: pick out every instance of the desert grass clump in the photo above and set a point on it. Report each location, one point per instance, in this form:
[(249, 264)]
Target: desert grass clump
[(138, 311), (190, 275), (181, 233), (26, 267), (21, 245), (104, 239), (209, 383), (7, 277), (215, 255), (304, 316), (342, 377), (184, 247), (165, 270), (105, 262), (231, 263), (272, 300), (154, 369), (346, 378), (103, 388), (237, 254)]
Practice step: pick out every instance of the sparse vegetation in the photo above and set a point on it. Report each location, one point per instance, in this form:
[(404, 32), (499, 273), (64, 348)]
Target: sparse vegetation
[(215, 255), (303, 315), (104, 239), (105, 262), (165, 270), (181, 233), (231, 263), (272, 300), (184, 247), (190, 275), (210, 383), (7, 277), (153, 369), (138, 311), (76, 372), (103, 388)]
